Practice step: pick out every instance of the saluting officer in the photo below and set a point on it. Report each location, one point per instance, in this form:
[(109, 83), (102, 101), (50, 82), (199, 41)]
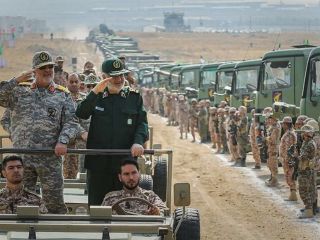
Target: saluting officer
[(118, 121)]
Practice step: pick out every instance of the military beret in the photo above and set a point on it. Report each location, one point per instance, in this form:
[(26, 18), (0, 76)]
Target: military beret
[(113, 67)]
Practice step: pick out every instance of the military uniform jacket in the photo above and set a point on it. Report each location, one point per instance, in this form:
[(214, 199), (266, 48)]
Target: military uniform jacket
[(134, 206), (307, 155), (39, 117), (288, 138), (10, 199), (117, 122), (273, 138)]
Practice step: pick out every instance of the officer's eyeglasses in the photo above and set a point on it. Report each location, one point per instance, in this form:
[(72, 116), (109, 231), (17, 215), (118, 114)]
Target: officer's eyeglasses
[(46, 67)]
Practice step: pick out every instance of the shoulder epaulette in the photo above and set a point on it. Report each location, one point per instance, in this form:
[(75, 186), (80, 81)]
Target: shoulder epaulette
[(133, 90), (62, 89), (25, 84)]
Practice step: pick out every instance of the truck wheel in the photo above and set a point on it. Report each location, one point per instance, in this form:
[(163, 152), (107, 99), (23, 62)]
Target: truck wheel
[(146, 182), (190, 226), (160, 178)]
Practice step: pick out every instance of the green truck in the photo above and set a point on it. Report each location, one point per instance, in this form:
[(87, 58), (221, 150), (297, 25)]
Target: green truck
[(281, 80), (223, 83), (189, 80), (310, 100), (206, 85), (161, 75), (244, 83), (175, 78)]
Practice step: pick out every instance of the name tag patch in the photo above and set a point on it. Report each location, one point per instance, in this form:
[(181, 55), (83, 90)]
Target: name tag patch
[(100, 108)]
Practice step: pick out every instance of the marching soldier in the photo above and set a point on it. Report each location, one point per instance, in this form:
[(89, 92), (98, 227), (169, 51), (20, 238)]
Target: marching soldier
[(193, 118), (203, 121), (232, 134), (242, 135), (211, 124), (253, 132), (183, 115)]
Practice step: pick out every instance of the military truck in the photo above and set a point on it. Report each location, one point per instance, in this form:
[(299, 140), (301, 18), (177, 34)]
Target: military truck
[(310, 100), (175, 78), (244, 83), (282, 72), (145, 76), (162, 75), (223, 83), (190, 77), (100, 222), (208, 74)]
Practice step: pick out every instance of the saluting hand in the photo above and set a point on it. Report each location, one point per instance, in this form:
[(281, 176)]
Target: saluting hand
[(137, 150), (25, 76), (101, 86)]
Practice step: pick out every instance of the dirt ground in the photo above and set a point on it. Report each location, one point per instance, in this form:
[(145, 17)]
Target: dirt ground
[(234, 203), (188, 47)]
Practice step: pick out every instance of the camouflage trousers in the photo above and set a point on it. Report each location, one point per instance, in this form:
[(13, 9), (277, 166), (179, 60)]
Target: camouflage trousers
[(71, 166), (241, 147), (183, 126), (212, 137), (48, 168), (256, 153), (288, 172), (233, 149), (307, 187), (272, 162), (203, 131)]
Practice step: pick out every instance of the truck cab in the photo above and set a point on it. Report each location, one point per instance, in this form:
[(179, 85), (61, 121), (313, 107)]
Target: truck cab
[(244, 83), (281, 79), (223, 83), (162, 75), (207, 81), (310, 101), (190, 77), (175, 78)]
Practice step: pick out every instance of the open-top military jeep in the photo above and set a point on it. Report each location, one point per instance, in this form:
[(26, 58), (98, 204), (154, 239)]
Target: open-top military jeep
[(98, 222)]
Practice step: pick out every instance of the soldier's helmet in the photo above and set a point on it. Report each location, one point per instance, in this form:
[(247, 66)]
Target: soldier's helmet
[(91, 79), (222, 104), (314, 124), (41, 59), (307, 129), (181, 97), (232, 110), (193, 100), (287, 119), (242, 109), (113, 67), (220, 110), (301, 119), (59, 59), (212, 110)]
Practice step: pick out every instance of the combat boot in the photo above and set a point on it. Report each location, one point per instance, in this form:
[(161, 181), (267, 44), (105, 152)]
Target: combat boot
[(214, 145), (243, 162), (237, 163), (273, 182), (293, 196), (308, 213)]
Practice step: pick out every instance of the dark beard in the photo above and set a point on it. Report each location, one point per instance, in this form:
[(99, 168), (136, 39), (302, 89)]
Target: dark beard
[(130, 187)]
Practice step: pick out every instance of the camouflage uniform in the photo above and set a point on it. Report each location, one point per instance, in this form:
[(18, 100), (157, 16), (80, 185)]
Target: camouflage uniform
[(242, 139), (273, 137), (232, 135), (211, 125), (203, 123), (222, 133), (288, 138), (306, 179), (41, 118), (217, 131), (183, 115), (6, 121), (134, 206), (254, 146), (71, 161), (10, 199), (193, 118)]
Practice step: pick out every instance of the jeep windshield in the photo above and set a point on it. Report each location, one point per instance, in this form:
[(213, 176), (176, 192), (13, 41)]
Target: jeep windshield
[(188, 79), (208, 77), (277, 75)]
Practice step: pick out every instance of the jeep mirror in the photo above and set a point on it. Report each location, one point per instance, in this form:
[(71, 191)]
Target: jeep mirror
[(182, 194)]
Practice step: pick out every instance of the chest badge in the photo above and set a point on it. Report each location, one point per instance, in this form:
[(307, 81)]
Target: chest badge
[(129, 122)]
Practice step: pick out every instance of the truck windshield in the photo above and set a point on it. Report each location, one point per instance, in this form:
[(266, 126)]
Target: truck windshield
[(188, 79), (175, 78), (224, 80), (208, 76), (277, 75), (316, 79), (246, 80)]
